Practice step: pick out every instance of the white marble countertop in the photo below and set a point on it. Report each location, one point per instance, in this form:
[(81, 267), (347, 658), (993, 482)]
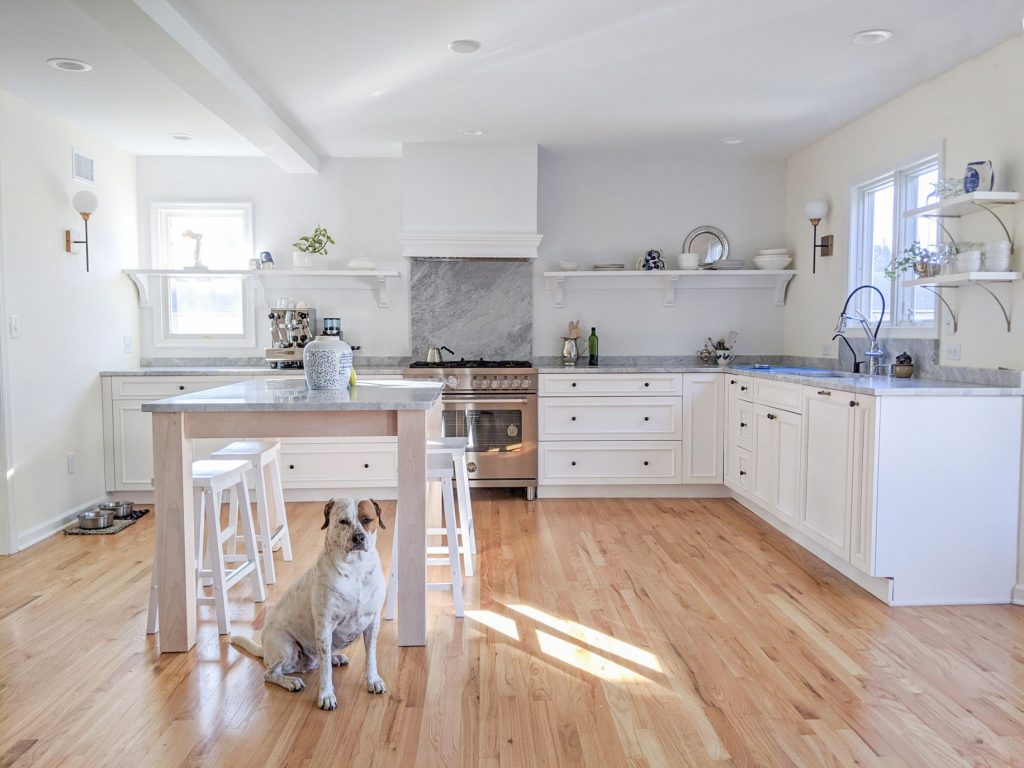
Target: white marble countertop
[(291, 395), (841, 380), (246, 370)]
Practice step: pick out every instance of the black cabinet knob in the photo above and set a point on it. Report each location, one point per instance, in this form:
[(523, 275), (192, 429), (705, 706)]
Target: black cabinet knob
[(743, 424), (181, 387), (366, 466), (742, 473), (574, 463), (647, 418), (853, 403), (732, 381), (291, 466), (574, 383), (647, 383), (573, 418), (646, 463), (743, 389)]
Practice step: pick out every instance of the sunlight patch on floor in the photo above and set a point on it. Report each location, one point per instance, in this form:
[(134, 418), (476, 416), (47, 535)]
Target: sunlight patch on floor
[(592, 637), (503, 624), (587, 661)]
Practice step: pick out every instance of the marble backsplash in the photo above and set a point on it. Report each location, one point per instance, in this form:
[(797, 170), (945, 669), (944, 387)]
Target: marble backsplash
[(479, 308)]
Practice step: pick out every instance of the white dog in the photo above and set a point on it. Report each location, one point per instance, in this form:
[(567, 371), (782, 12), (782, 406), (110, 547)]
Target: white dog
[(330, 605)]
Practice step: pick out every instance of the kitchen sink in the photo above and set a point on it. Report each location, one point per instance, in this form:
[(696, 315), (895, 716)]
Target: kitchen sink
[(797, 371)]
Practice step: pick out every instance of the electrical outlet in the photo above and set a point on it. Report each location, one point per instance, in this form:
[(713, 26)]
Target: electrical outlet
[(15, 327), (947, 324), (951, 352), (828, 350), (71, 464), (128, 345)]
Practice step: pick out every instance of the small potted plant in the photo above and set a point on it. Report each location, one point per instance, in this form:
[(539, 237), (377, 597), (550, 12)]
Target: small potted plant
[(923, 262), (310, 246)]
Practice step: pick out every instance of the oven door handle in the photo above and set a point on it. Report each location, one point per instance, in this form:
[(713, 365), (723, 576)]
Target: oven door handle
[(477, 401)]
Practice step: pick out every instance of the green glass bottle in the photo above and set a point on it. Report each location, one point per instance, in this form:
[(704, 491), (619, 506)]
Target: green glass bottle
[(592, 346)]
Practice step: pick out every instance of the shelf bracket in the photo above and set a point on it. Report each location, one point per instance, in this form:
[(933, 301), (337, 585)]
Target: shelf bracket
[(952, 313), (1006, 315), (1005, 230), (142, 286), (781, 286), (668, 290), (557, 287)]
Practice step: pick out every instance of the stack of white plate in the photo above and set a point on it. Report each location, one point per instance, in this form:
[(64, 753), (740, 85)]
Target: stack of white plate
[(727, 264), (773, 258), (608, 267)]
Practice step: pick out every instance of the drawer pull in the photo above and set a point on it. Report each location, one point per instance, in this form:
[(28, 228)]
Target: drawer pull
[(181, 387), (291, 466), (853, 403), (743, 425), (573, 418), (732, 381), (743, 388), (647, 418), (772, 417), (574, 463), (646, 463), (366, 466), (824, 392), (574, 383), (742, 472), (647, 383)]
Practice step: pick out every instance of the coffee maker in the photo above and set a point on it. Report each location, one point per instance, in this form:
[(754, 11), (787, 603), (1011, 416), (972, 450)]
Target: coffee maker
[(290, 331)]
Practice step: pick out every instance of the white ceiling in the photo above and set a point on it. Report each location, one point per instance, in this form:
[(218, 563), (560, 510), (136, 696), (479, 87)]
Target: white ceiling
[(361, 78)]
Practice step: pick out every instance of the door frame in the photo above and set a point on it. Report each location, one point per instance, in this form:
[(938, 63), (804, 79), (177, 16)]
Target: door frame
[(8, 527)]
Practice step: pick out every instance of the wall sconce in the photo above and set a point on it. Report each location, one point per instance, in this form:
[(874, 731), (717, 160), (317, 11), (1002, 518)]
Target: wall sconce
[(817, 210), (86, 203)]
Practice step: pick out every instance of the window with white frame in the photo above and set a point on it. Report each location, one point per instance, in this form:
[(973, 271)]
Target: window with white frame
[(201, 307), (881, 231)]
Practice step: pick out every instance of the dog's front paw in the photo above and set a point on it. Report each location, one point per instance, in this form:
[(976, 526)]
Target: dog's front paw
[(295, 684), (327, 700), (375, 685), (339, 660)]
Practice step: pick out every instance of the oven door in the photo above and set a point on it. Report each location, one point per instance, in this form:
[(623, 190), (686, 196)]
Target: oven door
[(502, 433)]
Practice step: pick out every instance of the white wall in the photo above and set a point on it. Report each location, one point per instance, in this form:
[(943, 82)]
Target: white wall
[(72, 322), (359, 201), (977, 110), (615, 203)]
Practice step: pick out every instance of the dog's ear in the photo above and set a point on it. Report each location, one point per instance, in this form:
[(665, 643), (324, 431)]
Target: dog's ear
[(380, 520), (327, 515)]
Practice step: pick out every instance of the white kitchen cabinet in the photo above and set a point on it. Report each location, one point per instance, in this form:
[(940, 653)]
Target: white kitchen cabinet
[(609, 418), (763, 453), (862, 496), (334, 464), (787, 466), (739, 386), (132, 447), (609, 384), (779, 394), (612, 462), (703, 428)]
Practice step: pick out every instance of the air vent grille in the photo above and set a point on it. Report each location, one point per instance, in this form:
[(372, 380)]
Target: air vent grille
[(82, 167)]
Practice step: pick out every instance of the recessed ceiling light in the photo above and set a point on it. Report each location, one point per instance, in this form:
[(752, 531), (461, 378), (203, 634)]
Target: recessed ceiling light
[(732, 140), (470, 132), (871, 37), (464, 46), (180, 136), (69, 65)]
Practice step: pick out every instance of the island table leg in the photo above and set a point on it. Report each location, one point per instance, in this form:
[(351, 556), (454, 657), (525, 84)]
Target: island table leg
[(175, 537), (411, 531)]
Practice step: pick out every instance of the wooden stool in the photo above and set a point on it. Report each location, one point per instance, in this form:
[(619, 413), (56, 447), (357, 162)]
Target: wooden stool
[(455, 447), (210, 479), (439, 470), (265, 456)]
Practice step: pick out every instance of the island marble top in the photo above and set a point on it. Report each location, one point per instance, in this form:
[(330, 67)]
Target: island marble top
[(292, 395)]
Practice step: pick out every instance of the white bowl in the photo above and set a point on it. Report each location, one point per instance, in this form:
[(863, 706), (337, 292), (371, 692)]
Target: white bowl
[(997, 263), (968, 261), (774, 252), (568, 266), (772, 262), (689, 260)]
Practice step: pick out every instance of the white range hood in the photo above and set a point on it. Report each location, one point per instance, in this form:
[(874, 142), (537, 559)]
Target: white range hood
[(469, 201)]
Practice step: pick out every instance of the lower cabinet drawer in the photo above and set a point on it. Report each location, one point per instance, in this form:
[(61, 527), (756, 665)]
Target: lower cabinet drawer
[(610, 462), (620, 418), (779, 394), (740, 469), (330, 465)]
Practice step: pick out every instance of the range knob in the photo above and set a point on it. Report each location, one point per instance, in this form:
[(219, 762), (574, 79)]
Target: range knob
[(485, 383), (452, 381), (504, 383), (526, 383)]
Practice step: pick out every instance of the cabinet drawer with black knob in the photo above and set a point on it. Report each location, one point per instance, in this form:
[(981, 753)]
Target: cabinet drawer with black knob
[(333, 465), (609, 418), (610, 462)]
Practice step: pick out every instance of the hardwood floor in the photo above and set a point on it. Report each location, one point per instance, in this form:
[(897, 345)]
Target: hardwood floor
[(603, 633)]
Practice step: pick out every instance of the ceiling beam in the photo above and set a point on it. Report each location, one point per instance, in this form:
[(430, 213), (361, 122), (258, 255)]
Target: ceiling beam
[(160, 34)]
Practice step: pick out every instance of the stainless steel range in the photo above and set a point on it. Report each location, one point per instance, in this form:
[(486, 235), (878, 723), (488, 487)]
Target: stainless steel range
[(493, 403)]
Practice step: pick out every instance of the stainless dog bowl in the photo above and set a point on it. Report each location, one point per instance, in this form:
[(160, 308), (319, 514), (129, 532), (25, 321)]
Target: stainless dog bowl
[(122, 509), (96, 518)]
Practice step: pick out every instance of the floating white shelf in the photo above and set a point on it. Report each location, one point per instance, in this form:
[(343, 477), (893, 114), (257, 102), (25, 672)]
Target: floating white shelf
[(367, 279), (962, 205), (670, 279), (961, 279)]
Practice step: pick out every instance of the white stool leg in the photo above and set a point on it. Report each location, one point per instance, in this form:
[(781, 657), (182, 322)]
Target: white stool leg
[(199, 504), (252, 550), (266, 529), (465, 506), (215, 556), (448, 506), (274, 471), (232, 523), (389, 604)]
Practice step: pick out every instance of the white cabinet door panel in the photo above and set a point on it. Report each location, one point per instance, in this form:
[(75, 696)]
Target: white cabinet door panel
[(741, 387), (788, 448), (609, 463), (615, 418), (779, 394), (610, 384), (761, 487), (862, 508), (703, 430), (825, 511)]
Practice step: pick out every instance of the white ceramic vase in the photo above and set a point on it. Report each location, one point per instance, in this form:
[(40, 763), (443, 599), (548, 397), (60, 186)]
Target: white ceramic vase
[(327, 363), (302, 260)]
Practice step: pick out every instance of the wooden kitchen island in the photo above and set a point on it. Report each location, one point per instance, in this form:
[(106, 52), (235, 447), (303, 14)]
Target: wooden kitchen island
[(266, 408)]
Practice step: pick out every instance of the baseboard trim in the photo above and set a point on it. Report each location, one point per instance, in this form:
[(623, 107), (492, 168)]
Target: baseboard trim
[(290, 494), (1017, 596), (55, 524), (632, 492)]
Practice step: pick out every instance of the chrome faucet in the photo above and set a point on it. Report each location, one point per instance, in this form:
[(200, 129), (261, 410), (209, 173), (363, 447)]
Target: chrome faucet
[(874, 353)]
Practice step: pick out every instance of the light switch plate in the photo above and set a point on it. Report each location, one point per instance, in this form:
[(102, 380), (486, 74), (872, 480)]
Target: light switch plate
[(71, 464), (128, 345), (14, 324), (828, 350), (951, 352)]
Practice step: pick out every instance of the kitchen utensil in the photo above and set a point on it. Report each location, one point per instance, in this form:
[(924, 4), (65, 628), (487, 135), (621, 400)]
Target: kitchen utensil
[(435, 355), (570, 350), (122, 510), (96, 518), (689, 260), (710, 242)]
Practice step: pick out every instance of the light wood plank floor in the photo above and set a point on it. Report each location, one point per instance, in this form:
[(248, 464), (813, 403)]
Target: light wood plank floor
[(603, 633)]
